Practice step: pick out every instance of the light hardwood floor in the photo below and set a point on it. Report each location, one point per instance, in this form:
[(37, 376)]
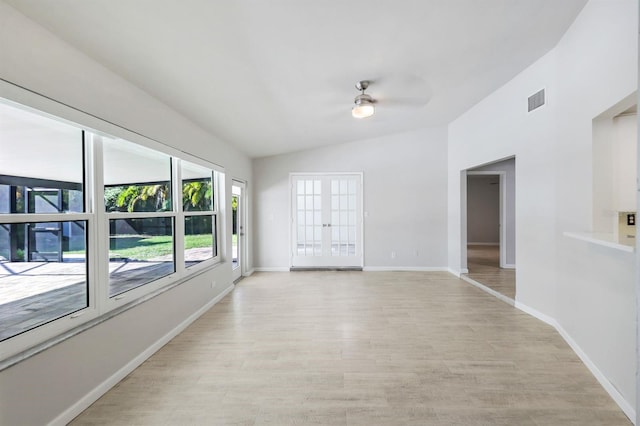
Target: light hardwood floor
[(483, 263), (360, 348)]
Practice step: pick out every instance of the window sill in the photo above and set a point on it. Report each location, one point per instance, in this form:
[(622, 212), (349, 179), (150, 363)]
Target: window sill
[(605, 240)]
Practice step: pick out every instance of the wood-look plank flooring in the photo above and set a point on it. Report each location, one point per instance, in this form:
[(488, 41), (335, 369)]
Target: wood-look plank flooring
[(483, 263), (360, 348)]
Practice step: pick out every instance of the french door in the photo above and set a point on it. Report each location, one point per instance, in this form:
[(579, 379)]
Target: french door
[(326, 220)]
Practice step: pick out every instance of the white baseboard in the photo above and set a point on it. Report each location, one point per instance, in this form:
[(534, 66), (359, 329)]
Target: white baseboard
[(72, 412), (537, 314), (249, 272), (509, 266), (271, 269), (405, 269), (491, 291), (483, 244), (458, 273), (626, 407)]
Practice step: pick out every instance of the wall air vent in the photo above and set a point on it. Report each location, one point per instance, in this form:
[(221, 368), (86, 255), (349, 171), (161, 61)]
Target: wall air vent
[(536, 100)]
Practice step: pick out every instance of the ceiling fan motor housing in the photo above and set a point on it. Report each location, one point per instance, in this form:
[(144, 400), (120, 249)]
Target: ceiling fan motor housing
[(363, 99)]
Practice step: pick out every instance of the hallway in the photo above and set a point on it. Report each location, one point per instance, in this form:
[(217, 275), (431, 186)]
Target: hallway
[(483, 263)]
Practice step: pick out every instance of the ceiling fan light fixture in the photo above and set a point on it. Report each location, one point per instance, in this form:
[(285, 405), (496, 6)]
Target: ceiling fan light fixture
[(363, 107)]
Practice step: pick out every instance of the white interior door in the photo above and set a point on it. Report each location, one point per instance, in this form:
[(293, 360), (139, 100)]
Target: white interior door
[(326, 220)]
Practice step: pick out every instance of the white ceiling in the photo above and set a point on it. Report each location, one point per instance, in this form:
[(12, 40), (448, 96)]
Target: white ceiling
[(278, 76)]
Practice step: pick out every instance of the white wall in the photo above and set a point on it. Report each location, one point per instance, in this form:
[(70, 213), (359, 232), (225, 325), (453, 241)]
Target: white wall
[(483, 209), (586, 290), (39, 389), (405, 190)]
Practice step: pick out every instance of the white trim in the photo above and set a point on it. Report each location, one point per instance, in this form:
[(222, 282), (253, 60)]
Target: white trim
[(605, 240), (509, 266), (602, 379), (405, 269), (271, 269), (458, 273), (249, 272), (491, 291), (483, 244), (72, 412)]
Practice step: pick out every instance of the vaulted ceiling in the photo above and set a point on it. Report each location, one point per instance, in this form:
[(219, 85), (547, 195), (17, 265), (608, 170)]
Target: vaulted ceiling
[(278, 76)]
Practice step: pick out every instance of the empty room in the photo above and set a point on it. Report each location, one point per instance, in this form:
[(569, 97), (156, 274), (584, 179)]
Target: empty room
[(337, 213)]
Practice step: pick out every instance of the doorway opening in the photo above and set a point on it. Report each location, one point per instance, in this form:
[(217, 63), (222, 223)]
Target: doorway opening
[(238, 190), (489, 228)]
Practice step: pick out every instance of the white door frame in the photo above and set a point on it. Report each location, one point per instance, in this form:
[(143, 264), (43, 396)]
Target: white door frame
[(503, 213), (293, 175), (241, 270)]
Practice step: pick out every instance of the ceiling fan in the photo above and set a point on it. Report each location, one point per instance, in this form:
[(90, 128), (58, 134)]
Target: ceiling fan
[(363, 107), (411, 91)]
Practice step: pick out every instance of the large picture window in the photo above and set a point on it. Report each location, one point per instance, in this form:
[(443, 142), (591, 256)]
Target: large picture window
[(86, 219)]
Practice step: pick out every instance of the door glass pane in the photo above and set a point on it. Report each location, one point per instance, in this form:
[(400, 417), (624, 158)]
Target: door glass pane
[(335, 218), (352, 186), (309, 217)]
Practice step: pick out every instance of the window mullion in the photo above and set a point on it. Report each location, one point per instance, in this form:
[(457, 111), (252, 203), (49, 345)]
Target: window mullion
[(99, 241), (178, 225)]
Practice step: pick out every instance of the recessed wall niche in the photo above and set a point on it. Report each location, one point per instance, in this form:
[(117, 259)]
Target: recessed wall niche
[(615, 140)]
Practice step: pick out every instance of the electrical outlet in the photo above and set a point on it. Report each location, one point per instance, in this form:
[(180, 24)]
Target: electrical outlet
[(393, 254)]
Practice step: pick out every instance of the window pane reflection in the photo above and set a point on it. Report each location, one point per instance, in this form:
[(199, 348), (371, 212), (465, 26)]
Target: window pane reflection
[(197, 188), (198, 239), (43, 273), (140, 251), (137, 179)]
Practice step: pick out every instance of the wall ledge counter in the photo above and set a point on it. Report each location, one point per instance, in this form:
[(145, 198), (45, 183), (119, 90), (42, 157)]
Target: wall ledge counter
[(602, 239)]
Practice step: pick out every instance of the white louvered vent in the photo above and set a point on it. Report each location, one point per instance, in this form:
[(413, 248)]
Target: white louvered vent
[(536, 100)]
